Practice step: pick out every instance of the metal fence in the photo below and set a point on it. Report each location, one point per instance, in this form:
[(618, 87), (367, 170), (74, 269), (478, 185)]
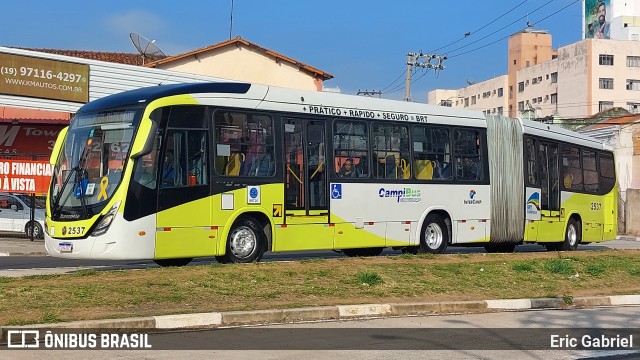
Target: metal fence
[(21, 213)]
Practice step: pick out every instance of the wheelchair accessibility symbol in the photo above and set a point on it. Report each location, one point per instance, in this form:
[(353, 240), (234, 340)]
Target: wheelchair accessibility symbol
[(336, 191)]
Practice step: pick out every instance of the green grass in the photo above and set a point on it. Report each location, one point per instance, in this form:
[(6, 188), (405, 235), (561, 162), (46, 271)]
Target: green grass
[(342, 281), (522, 266), (559, 266), (369, 278), (596, 269)]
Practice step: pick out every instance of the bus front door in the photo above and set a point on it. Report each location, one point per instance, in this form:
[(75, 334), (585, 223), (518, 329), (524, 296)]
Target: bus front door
[(306, 211), (550, 223)]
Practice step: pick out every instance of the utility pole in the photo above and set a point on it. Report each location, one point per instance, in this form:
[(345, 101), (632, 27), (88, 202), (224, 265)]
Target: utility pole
[(370, 93), (432, 61)]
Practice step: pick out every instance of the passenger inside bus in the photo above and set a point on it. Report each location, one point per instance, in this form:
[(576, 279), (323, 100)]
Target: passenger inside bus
[(349, 169)]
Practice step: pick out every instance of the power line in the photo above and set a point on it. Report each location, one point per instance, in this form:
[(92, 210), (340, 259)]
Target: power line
[(470, 33), (502, 28), (546, 17), (398, 78), (493, 42)]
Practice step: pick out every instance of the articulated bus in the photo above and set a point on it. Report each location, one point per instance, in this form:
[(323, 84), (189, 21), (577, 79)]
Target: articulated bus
[(233, 170)]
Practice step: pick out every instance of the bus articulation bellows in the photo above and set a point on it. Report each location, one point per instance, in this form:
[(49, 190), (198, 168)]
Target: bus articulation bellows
[(233, 170)]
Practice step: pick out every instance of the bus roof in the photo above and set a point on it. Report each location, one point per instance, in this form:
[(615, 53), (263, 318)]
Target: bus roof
[(148, 94), (557, 133), (336, 105)]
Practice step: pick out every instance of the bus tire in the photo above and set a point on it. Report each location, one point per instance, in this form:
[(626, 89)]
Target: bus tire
[(572, 235), (375, 251), (246, 242), (172, 262), (435, 236)]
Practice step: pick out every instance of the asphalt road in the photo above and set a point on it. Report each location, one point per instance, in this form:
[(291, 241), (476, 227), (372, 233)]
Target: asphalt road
[(31, 265)]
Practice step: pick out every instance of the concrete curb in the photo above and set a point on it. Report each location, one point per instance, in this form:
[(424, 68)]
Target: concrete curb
[(23, 254), (339, 312), (627, 238)]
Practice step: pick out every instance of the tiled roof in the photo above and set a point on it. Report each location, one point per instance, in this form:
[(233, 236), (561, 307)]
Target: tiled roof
[(239, 40), (622, 120), (114, 57)]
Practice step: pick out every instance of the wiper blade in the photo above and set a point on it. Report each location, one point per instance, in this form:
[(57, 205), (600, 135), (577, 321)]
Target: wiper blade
[(80, 176), (79, 171), (56, 203)]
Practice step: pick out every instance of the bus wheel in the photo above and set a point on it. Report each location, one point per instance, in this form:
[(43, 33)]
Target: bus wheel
[(435, 237), (572, 236), (500, 248), (173, 262), (246, 242), (363, 252)]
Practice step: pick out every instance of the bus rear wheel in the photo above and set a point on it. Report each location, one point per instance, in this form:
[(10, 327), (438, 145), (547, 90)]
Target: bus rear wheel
[(572, 236), (246, 242), (172, 262), (435, 236), (363, 252)]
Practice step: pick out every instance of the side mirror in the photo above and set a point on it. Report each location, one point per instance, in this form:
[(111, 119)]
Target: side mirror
[(150, 128), (58, 146), (14, 207)]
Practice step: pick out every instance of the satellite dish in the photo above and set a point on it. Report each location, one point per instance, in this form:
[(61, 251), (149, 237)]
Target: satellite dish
[(147, 48)]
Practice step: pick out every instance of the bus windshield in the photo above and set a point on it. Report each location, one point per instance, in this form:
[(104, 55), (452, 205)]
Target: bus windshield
[(91, 161)]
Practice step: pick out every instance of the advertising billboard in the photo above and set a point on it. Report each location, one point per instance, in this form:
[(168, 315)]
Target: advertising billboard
[(44, 78), (597, 18)]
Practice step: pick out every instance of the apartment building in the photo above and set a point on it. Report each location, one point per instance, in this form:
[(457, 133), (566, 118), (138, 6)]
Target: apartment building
[(576, 81)]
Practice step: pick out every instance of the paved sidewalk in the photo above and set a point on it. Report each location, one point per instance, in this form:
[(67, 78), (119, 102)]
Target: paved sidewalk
[(331, 313), (22, 247)]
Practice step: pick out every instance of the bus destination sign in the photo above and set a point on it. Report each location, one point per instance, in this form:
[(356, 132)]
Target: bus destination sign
[(366, 114)]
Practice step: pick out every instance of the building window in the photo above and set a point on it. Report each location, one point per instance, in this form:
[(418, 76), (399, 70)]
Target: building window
[(500, 110), (554, 98), (447, 103), (473, 100), (521, 106), (539, 99), (634, 108), (520, 86), (500, 92), (633, 84), (535, 100), (466, 102), (633, 61), (606, 59), (605, 105), (554, 77), (606, 83)]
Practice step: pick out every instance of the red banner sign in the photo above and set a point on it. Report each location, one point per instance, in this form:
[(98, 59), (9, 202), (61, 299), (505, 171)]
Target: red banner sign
[(25, 176), (28, 139)]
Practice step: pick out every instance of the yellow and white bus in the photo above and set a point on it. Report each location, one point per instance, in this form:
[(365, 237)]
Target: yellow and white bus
[(233, 170)]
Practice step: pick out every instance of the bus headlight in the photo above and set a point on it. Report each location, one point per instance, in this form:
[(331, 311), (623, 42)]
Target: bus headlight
[(107, 219)]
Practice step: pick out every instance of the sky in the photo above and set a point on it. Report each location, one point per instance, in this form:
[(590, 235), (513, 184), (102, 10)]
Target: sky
[(363, 44)]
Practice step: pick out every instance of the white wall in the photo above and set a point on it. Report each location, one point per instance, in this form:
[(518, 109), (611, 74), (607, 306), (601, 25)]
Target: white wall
[(244, 63), (485, 92)]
